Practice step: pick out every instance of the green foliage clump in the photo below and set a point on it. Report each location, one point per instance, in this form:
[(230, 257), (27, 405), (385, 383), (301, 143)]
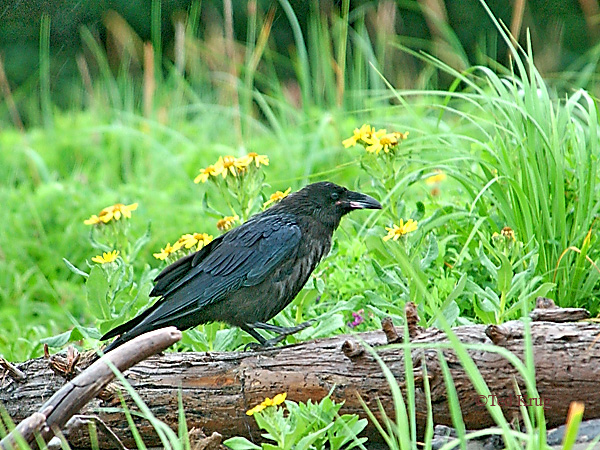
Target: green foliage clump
[(304, 426)]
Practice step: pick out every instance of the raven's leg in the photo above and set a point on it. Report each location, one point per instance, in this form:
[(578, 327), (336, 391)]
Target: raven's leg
[(255, 334), (282, 331)]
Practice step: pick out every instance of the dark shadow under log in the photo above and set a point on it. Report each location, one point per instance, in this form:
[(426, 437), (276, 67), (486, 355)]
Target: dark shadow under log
[(218, 388)]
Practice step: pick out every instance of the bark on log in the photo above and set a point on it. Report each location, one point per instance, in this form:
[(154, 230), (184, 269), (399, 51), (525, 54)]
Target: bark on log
[(68, 400), (217, 388)]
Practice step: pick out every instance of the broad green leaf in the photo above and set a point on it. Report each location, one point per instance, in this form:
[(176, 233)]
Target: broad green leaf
[(57, 341), (307, 441), (432, 252), (80, 332), (505, 274), (97, 290), (240, 443)]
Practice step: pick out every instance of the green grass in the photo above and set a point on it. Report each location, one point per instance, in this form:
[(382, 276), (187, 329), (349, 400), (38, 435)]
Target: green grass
[(518, 151)]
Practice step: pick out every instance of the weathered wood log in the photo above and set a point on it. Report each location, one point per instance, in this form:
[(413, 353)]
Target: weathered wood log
[(217, 388), (547, 311), (75, 394)]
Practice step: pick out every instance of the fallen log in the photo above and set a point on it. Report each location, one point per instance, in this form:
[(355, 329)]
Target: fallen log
[(218, 388), (76, 393)]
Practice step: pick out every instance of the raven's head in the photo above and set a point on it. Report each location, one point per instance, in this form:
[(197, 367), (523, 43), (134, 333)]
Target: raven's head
[(328, 202)]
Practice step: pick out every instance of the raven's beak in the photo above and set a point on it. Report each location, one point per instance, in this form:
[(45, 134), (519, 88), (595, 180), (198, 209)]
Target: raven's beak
[(356, 200)]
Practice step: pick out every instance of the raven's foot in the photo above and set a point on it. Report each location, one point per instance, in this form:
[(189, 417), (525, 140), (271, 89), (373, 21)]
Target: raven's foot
[(266, 344), (254, 347), (259, 346), (263, 343)]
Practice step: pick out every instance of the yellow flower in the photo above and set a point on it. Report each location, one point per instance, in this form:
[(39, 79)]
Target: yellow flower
[(435, 179), (227, 222), (92, 220), (360, 134), (254, 157), (165, 252), (508, 233), (374, 144), (106, 257), (277, 196), (397, 231), (375, 140), (227, 164), (210, 171), (257, 408), (277, 400), (112, 212), (189, 240), (388, 141)]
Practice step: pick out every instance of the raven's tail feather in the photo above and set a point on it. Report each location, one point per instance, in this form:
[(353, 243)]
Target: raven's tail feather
[(116, 343), (127, 331), (131, 324)]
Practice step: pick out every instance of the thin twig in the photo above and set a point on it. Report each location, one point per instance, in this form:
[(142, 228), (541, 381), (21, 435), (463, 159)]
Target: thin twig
[(12, 371)]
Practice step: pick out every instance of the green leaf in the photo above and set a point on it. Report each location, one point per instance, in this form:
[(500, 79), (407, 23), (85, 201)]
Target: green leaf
[(420, 212), (432, 252), (57, 341), (80, 332), (486, 315), (572, 426), (139, 243), (320, 285), (386, 276), (267, 446), (307, 441), (346, 429), (97, 289), (224, 339), (485, 262), (240, 443), (505, 273), (450, 313), (74, 269), (209, 210), (98, 245), (325, 327), (458, 289), (266, 422), (487, 298)]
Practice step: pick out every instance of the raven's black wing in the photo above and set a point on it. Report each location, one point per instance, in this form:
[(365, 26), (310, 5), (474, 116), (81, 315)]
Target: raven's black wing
[(244, 256), (164, 281), (173, 273)]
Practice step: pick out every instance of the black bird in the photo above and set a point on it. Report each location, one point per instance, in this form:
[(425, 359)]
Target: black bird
[(249, 274)]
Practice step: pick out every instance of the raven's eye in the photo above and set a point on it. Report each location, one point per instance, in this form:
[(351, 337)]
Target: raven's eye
[(335, 196)]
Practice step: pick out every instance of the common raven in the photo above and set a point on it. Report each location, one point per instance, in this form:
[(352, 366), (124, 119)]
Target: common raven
[(249, 274)]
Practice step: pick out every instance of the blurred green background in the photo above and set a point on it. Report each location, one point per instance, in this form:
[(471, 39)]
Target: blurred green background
[(459, 32)]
